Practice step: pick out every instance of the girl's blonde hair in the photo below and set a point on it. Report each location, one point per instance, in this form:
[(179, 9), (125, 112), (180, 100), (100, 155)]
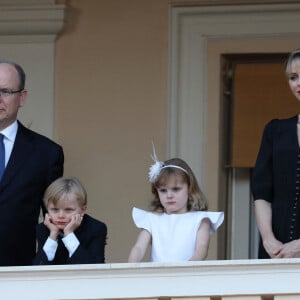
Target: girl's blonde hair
[(63, 186), (290, 59), (196, 199)]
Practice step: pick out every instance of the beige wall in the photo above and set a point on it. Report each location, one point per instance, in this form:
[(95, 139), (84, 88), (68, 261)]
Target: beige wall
[(111, 102)]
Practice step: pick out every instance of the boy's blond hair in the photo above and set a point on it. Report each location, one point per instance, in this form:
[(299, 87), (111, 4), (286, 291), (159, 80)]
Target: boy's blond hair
[(63, 186)]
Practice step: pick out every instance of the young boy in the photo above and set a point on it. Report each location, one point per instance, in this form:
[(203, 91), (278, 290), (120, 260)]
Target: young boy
[(68, 235)]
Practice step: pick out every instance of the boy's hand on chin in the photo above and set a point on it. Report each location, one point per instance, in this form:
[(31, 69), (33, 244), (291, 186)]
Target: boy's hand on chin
[(54, 230), (74, 224)]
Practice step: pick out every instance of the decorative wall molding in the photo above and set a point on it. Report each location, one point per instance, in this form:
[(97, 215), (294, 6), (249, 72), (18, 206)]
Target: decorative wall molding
[(28, 30), (25, 2), (228, 2), (34, 20)]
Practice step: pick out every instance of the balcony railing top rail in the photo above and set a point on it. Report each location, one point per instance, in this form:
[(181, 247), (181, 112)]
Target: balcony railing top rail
[(152, 280)]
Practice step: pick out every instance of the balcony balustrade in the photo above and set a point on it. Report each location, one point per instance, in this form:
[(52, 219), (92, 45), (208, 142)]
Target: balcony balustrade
[(205, 280)]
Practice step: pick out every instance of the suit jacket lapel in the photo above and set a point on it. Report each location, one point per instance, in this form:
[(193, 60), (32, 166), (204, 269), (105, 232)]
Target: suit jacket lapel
[(19, 155)]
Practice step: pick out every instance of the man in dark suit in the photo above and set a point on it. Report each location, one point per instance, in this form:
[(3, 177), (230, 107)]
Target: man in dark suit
[(31, 162)]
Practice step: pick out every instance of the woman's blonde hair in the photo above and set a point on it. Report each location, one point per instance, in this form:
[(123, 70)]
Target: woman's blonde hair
[(196, 199), (290, 59), (63, 186)]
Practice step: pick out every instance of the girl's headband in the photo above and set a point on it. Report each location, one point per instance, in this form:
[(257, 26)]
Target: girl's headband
[(158, 165)]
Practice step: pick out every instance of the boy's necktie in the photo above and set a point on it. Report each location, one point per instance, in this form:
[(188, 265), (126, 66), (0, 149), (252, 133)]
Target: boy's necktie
[(62, 254), (2, 156)]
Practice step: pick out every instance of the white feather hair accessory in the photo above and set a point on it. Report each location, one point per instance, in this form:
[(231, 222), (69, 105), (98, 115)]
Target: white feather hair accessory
[(158, 165), (154, 170)]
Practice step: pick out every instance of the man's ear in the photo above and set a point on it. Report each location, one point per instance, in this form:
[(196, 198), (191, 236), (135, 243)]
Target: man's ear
[(23, 97)]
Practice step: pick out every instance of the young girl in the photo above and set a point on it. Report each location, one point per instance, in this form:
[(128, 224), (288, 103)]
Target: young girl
[(68, 235), (179, 226)]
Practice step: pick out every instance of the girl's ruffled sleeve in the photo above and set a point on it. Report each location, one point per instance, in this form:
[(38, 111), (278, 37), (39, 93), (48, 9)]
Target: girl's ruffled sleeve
[(141, 218), (216, 219)]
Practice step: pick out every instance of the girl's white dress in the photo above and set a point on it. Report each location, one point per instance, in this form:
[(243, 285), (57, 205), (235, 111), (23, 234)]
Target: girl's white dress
[(174, 235)]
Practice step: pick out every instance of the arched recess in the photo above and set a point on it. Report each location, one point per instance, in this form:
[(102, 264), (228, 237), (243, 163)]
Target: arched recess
[(27, 35), (199, 36)]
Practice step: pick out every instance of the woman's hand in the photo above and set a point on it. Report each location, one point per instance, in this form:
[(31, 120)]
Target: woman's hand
[(263, 214), (273, 247), (290, 250)]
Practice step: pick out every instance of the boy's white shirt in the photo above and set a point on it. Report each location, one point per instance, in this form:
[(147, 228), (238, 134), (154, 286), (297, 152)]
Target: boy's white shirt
[(70, 241)]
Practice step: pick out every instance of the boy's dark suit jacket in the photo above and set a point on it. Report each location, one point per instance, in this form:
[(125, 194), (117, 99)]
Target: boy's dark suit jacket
[(92, 237), (34, 163)]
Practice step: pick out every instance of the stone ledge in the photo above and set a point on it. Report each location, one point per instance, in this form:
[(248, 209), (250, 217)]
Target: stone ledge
[(31, 20), (153, 280)]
